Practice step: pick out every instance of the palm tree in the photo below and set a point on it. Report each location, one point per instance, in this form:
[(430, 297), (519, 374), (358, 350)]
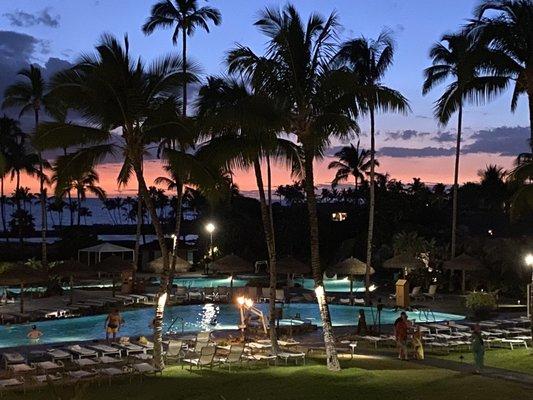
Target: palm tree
[(30, 96), (369, 59), (464, 60), (185, 16), (102, 87), (83, 183), (318, 100), (352, 161), (522, 200), (244, 125), (506, 26)]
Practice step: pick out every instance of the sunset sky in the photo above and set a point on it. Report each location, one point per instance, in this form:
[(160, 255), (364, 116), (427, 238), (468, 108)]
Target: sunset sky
[(52, 33)]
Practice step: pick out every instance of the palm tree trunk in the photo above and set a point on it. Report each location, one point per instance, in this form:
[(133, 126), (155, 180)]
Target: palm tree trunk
[(78, 197), (3, 207), (530, 101), (271, 247), (17, 189), (371, 208), (456, 181), (329, 339), (177, 229), (44, 222), (159, 362), (69, 195), (184, 69), (136, 253)]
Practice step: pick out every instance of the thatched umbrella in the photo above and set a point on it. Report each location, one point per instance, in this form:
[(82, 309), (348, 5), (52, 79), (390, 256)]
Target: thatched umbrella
[(403, 261), (20, 274), (72, 269), (232, 264), (291, 266), (351, 267), (462, 263), (114, 266), (157, 265)]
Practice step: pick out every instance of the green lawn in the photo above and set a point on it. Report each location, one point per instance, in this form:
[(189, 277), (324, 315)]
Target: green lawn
[(520, 360), (364, 378)]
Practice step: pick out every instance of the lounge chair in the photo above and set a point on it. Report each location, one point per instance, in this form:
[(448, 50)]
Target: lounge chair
[(206, 358), (83, 363), (42, 379), (415, 293), (181, 294), (105, 350), (13, 358), (210, 294), (280, 296), (176, 350), (514, 342), (143, 369), (126, 299), (58, 354), (81, 374), (81, 352), (431, 293), (20, 369), (129, 348), (106, 360), (265, 294), (47, 367), (114, 372), (289, 355), (139, 298), (262, 357), (12, 383), (195, 294), (235, 356)]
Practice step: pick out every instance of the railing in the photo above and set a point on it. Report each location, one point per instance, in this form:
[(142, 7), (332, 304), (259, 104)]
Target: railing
[(174, 322), (427, 313)]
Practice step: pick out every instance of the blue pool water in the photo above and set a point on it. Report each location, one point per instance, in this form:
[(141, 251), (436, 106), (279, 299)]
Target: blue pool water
[(331, 285), (196, 318)]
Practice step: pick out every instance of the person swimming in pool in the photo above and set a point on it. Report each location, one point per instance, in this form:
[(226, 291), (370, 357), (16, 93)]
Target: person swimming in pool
[(113, 323), (35, 334)]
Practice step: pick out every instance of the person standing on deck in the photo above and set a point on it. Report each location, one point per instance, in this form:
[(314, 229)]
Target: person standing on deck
[(478, 348), (113, 323)]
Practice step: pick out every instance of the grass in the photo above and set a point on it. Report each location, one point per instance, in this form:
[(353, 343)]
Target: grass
[(365, 377), (520, 360)]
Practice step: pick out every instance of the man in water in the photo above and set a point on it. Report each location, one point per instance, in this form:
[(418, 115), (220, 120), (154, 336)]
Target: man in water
[(112, 324), (35, 334)]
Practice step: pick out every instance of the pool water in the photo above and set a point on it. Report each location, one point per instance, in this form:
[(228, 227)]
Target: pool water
[(195, 318), (331, 285)]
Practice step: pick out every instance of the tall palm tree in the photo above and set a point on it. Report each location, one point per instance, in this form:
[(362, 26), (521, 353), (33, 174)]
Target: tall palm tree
[(184, 16), (114, 91), (297, 71), (29, 94), (464, 60), (522, 200), (244, 125), (354, 162), (506, 26), (369, 59)]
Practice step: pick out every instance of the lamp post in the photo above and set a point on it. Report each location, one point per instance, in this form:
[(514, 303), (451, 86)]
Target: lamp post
[(529, 262), (210, 228)]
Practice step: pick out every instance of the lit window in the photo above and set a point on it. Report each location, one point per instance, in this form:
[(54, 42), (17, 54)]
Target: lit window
[(339, 216)]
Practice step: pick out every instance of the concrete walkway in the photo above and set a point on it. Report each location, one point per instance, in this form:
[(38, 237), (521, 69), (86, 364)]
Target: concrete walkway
[(490, 372)]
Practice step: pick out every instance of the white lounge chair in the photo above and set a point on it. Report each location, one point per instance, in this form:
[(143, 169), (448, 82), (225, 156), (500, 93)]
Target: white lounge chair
[(13, 358), (431, 293), (206, 358), (81, 375), (235, 356), (83, 363), (12, 383), (81, 352), (105, 350), (289, 355), (58, 354), (49, 366)]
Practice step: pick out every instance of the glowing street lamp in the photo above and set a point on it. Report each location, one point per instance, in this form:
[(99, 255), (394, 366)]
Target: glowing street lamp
[(210, 228)]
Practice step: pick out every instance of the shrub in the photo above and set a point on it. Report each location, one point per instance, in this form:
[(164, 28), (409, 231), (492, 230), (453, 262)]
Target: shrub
[(481, 304)]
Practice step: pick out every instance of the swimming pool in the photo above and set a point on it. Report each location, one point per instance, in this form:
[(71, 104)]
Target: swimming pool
[(195, 318), (331, 285)]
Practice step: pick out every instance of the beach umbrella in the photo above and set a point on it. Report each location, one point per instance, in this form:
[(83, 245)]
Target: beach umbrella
[(72, 269), (462, 263), (403, 261), (350, 267), (232, 264), (22, 275), (291, 266), (182, 265), (114, 266)]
